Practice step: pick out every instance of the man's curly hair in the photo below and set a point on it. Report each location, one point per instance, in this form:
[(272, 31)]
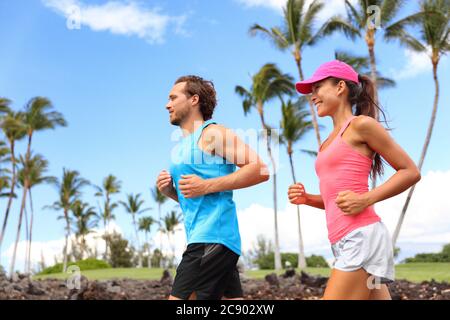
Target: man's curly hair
[(204, 89)]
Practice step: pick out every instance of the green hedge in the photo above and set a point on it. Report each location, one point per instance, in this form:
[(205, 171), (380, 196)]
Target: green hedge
[(316, 262), (87, 264), (267, 262), (429, 257), (443, 256)]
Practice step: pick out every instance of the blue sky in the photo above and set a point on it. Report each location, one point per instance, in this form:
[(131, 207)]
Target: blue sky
[(111, 78)]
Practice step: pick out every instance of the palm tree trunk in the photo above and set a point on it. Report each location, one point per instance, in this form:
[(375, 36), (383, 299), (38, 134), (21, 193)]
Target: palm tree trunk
[(138, 243), (149, 260), (422, 156), (373, 74), (172, 246), (107, 216), (301, 250), (66, 215), (19, 226), (275, 204), (298, 62), (106, 239), (82, 248), (31, 231), (27, 158), (373, 71), (27, 238), (42, 261), (160, 236), (10, 199)]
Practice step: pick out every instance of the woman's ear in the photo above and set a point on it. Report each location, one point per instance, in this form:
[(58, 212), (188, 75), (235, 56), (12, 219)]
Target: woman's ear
[(341, 86)]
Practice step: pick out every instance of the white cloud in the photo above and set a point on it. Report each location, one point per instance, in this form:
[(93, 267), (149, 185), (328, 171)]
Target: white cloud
[(331, 7), (128, 18), (428, 215), (271, 4), (416, 63)]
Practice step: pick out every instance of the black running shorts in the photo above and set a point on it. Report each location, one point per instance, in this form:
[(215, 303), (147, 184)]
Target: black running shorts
[(209, 270)]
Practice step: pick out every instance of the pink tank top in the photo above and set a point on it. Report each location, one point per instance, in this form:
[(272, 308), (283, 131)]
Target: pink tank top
[(340, 167)]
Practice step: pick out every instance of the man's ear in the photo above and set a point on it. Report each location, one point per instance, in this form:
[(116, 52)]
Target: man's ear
[(195, 99)]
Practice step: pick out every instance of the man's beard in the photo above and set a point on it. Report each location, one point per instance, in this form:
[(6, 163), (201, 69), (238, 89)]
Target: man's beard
[(179, 117)]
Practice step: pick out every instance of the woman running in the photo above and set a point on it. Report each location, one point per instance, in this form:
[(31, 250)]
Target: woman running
[(359, 240)]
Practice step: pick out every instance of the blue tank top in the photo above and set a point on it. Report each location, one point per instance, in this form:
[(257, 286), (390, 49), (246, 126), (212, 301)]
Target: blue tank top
[(210, 218)]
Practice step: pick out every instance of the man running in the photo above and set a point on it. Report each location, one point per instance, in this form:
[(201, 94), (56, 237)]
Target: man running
[(202, 177)]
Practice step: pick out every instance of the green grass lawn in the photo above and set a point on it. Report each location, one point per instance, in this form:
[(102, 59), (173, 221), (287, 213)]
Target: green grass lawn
[(415, 272), (119, 273)]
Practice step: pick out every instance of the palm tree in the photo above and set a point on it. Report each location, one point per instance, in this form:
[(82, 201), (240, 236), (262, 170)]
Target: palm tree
[(433, 23), (32, 174), (14, 130), (85, 220), (4, 105), (361, 64), (296, 34), (110, 186), (38, 116), (169, 224), (145, 224), (133, 207), (294, 126), (5, 178), (359, 23), (69, 191), (267, 84), (4, 151), (159, 198)]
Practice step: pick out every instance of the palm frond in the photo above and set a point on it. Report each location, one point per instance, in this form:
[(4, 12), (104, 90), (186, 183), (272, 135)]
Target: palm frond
[(339, 24), (275, 35), (389, 9), (309, 153), (247, 102), (306, 29)]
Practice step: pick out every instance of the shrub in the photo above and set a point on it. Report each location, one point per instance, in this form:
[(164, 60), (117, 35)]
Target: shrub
[(267, 261), (316, 262), (121, 253), (87, 264), (443, 256)]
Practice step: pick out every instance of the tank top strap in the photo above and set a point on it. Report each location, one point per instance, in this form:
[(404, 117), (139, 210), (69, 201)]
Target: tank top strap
[(197, 134), (346, 124)]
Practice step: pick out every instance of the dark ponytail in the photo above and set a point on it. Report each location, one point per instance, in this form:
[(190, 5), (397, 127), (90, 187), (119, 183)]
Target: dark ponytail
[(362, 99)]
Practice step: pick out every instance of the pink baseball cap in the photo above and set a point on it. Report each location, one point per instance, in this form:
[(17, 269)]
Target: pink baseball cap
[(335, 68)]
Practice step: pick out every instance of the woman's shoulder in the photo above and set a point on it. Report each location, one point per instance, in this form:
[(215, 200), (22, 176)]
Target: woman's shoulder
[(364, 122), (366, 125)]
